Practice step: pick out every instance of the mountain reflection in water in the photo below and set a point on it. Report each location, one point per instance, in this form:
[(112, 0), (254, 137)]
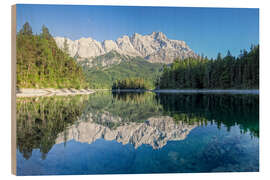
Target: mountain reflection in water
[(140, 119), (155, 131)]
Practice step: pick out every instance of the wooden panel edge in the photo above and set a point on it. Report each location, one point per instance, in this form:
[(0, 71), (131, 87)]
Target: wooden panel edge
[(13, 89)]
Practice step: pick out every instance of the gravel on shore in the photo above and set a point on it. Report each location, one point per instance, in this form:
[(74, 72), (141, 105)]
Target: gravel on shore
[(51, 92)]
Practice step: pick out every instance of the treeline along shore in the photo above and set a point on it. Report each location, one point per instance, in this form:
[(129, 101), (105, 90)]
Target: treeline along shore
[(229, 72)]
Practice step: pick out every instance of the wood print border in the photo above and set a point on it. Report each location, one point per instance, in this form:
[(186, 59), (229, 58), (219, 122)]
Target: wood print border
[(13, 89)]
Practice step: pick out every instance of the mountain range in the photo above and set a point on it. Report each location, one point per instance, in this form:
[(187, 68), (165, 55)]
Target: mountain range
[(154, 47)]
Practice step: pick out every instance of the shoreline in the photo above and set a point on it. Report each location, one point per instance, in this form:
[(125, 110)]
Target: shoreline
[(29, 92), (214, 91)]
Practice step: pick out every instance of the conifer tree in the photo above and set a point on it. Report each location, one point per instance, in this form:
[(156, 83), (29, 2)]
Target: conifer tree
[(26, 29)]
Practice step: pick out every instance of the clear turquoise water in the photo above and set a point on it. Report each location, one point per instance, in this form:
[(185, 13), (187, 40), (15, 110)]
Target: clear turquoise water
[(169, 133)]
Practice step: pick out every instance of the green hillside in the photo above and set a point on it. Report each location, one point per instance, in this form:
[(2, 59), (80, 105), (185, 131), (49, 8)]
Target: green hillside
[(126, 68), (41, 64)]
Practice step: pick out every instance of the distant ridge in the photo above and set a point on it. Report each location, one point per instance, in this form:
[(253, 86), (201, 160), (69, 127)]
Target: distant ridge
[(154, 47)]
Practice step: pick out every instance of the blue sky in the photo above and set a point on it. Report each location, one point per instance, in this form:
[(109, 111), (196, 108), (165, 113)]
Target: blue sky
[(205, 30)]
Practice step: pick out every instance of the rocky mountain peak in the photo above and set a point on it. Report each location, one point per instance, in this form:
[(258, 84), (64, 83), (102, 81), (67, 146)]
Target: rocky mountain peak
[(154, 47), (159, 36), (136, 35)]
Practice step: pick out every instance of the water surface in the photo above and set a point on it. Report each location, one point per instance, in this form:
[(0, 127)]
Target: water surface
[(108, 133)]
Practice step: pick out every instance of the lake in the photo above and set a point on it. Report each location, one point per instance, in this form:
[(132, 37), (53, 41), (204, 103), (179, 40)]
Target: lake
[(122, 132)]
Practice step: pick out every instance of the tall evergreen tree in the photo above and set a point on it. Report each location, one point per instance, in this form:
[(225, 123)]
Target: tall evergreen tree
[(66, 49), (45, 33), (26, 29)]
